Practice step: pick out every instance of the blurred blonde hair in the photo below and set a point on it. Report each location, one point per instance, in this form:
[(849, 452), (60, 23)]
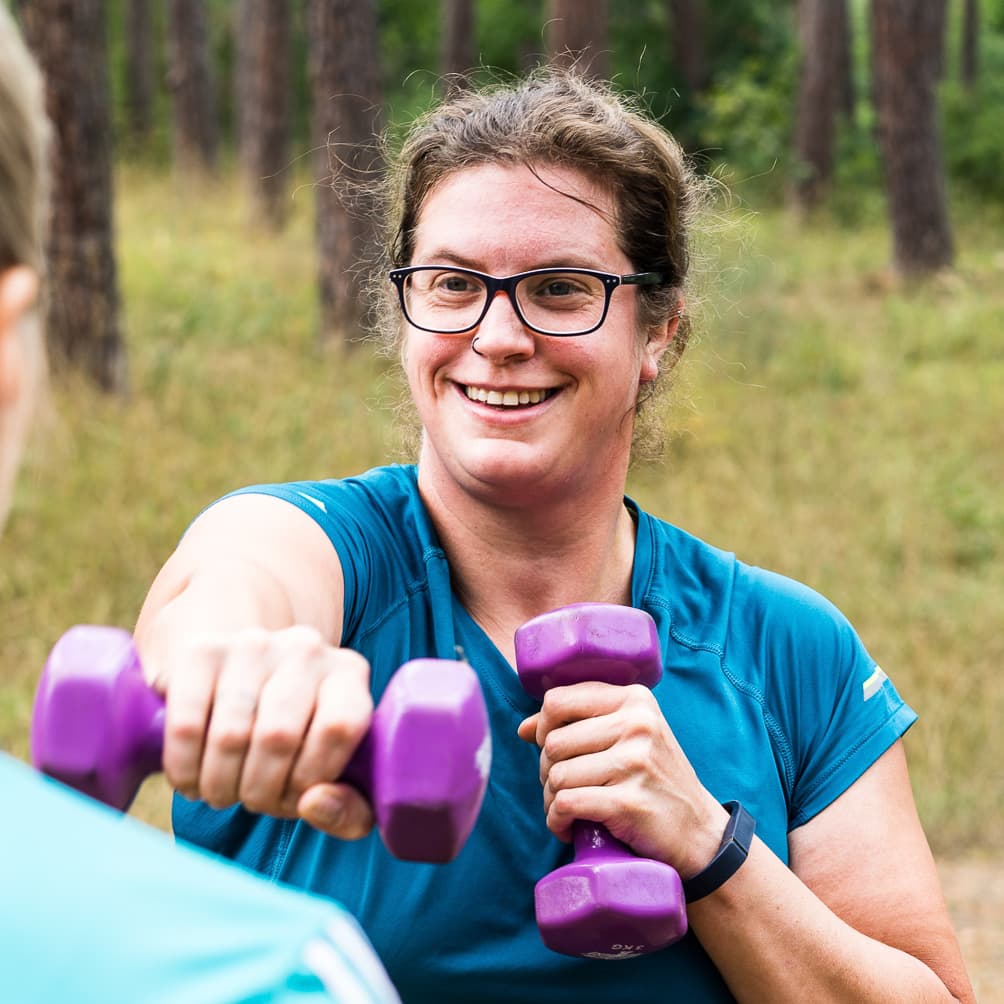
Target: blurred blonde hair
[(24, 136)]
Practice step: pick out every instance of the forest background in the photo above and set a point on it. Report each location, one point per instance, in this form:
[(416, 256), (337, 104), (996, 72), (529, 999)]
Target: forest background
[(840, 417)]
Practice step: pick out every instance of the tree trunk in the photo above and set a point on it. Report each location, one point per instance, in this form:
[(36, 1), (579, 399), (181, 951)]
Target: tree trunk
[(346, 118), (818, 98), (82, 320), (848, 97), (190, 79), (263, 104), (969, 65), (139, 68), (907, 35), (688, 18), (578, 35), (458, 54)]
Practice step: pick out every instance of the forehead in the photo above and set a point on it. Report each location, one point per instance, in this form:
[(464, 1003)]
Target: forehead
[(513, 211)]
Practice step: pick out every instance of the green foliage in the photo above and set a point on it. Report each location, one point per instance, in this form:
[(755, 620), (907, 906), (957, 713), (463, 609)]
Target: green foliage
[(973, 126), (741, 126), (750, 110)]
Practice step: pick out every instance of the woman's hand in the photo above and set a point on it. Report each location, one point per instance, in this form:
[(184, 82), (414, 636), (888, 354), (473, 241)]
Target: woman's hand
[(608, 755), (267, 719)]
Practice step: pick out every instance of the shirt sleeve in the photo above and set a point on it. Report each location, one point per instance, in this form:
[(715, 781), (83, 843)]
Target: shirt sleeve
[(835, 709)]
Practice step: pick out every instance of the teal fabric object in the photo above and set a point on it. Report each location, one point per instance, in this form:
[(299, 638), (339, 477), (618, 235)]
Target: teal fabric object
[(769, 690), (96, 908)]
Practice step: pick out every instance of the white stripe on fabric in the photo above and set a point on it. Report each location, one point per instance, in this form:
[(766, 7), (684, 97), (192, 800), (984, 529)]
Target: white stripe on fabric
[(310, 498), (873, 684), (347, 966)]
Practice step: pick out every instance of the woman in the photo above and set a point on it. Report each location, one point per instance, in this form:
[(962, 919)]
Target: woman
[(284, 606), (95, 908)]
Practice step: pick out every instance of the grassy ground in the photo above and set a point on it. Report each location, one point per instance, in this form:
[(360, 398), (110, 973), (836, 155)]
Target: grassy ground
[(830, 424)]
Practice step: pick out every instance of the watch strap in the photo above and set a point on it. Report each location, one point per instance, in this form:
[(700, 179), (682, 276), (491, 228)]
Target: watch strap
[(732, 852)]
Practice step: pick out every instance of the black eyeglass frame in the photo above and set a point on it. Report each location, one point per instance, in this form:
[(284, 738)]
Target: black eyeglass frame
[(507, 284)]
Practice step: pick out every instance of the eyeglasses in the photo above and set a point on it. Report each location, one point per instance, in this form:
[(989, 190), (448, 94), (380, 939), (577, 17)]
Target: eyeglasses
[(551, 301)]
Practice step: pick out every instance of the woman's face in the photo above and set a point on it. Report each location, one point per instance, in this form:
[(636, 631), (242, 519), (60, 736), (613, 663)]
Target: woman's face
[(573, 429)]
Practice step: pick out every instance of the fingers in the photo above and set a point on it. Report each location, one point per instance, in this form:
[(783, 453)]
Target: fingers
[(341, 718), (336, 809), (262, 717), (242, 673), (190, 698), (609, 755)]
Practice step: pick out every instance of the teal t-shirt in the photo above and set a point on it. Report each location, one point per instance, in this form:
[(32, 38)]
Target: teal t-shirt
[(96, 908), (767, 687)]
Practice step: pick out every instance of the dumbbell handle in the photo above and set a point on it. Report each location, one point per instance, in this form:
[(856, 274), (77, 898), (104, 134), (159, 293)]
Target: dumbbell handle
[(423, 764)]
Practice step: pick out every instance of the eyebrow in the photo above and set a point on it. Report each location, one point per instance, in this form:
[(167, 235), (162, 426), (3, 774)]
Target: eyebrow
[(554, 261)]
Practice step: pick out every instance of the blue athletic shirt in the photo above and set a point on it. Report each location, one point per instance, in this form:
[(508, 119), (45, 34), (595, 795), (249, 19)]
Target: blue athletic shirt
[(96, 908), (767, 687)]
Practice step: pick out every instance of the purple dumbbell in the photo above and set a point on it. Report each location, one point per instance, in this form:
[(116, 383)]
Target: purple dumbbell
[(608, 903), (98, 727)]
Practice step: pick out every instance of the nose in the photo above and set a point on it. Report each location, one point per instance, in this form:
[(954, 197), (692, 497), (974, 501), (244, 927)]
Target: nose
[(501, 335)]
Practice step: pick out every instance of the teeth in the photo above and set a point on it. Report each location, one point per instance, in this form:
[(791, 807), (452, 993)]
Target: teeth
[(505, 398)]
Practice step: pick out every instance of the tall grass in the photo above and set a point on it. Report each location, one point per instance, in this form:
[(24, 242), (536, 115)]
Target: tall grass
[(829, 424)]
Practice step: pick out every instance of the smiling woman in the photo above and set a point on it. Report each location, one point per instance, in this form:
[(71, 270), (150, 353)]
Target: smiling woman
[(537, 271)]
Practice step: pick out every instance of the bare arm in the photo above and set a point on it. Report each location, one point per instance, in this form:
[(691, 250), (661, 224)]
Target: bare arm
[(859, 916), (241, 631)]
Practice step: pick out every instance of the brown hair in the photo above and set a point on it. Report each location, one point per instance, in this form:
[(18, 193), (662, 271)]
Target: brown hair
[(556, 117)]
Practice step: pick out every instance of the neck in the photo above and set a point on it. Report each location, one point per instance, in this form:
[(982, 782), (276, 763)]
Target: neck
[(511, 562)]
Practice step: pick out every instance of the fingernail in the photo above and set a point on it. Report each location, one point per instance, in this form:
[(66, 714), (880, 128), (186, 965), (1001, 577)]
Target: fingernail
[(328, 810)]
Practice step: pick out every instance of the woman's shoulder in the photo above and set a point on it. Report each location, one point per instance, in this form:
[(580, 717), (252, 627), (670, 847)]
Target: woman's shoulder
[(727, 602), (380, 496)]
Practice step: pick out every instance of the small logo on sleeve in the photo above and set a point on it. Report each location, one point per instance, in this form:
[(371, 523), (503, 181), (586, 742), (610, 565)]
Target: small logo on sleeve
[(873, 684)]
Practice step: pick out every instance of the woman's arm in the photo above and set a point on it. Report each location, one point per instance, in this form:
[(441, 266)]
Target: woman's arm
[(240, 630), (858, 917)]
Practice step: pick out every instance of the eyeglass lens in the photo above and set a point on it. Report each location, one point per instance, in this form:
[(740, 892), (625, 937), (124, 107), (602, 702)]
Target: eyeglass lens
[(562, 302)]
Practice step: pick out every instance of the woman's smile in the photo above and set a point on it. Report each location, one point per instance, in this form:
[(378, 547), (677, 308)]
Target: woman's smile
[(508, 397)]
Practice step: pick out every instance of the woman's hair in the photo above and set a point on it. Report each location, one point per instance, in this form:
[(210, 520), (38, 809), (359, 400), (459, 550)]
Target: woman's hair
[(556, 118), (24, 133)]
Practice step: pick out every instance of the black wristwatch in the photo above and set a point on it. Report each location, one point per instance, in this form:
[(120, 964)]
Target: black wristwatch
[(731, 854)]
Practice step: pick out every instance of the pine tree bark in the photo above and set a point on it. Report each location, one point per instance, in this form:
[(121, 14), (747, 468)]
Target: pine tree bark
[(346, 119), (969, 62), (263, 105), (848, 95), (191, 82), (139, 67), (458, 54), (820, 23), (907, 36), (82, 309), (689, 54), (578, 35)]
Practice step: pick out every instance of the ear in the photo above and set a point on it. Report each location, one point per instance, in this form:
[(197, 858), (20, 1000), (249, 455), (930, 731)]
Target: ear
[(18, 290), (660, 337)]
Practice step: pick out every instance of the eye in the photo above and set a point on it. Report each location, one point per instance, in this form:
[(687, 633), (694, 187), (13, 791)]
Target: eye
[(557, 287), (455, 283)]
